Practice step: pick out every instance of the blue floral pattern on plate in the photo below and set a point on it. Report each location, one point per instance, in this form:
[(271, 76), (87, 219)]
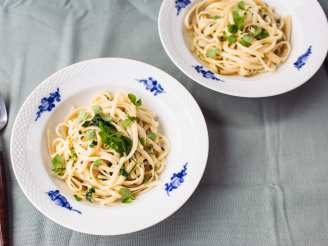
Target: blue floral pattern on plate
[(60, 200), (301, 61), (152, 85), (176, 180), (180, 4), (48, 103), (206, 73)]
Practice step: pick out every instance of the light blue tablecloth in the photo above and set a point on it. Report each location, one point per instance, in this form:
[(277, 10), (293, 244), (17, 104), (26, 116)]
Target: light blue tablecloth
[(266, 182)]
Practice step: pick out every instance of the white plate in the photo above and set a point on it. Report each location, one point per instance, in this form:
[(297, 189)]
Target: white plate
[(179, 115), (309, 38)]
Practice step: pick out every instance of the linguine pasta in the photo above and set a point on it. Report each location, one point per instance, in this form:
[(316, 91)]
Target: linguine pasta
[(233, 37), (109, 151)]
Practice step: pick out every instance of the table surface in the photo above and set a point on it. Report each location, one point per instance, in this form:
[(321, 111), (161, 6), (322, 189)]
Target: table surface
[(266, 181)]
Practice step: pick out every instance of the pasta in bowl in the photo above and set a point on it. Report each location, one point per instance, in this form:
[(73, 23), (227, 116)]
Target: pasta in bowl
[(246, 48), (109, 151), (233, 37)]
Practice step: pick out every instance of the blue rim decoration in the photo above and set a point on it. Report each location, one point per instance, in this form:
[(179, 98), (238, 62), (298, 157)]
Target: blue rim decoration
[(61, 201), (181, 4), (176, 180), (206, 73), (301, 61), (152, 85), (48, 103)]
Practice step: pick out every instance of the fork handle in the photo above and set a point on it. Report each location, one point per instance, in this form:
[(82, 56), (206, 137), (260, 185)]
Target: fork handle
[(4, 240)]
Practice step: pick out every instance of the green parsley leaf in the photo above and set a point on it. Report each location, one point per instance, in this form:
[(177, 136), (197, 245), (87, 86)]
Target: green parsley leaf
[(134, 100), (232, 28), (77, 198), (128, 200), (232, 39), (114, 139), (211, 52), (58, 165), (151, 136), (264, 34), (126, 194), (110, 137), (142, 141), (255, 30), (246, 40), (238, 19), (216, 17), (89, 193), (123, 172), (128, 121), (96, 109), (98, 118), (97, 163), (241, 5)]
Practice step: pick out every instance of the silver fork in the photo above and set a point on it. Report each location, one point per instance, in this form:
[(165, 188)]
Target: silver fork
[(3, 198)]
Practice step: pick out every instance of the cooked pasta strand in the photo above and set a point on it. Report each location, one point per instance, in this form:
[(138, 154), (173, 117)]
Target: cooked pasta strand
[(233, 37)]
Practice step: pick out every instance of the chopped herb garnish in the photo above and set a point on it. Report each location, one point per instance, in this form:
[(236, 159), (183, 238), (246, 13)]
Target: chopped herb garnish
[(258, 32), (151, 136), (246, 40), (89, 193), (134, 100), (212, 52), (58, 165), (255, 30), (142, 141), (114, 139), (128, 121), (262, 35), (232, 39), (241, 5), (98, 118), (93, 144), (77, 198), (126, 194), (216, 17), (96, 109), (97, 163), (110, 137), (232, 28), (123, 172), (91, 134), (238, 19)]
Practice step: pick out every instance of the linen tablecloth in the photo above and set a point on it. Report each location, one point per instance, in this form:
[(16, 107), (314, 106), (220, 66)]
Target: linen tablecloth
[(266, 181)]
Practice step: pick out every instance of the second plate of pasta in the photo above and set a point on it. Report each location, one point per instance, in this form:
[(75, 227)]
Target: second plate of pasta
[(246, 48)]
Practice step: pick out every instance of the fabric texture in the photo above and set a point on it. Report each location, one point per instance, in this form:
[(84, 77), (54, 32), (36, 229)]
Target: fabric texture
[(266, 179)]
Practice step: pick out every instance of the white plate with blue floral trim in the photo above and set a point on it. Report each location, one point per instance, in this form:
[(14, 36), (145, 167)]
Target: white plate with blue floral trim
[(181, 119), (309, 49)]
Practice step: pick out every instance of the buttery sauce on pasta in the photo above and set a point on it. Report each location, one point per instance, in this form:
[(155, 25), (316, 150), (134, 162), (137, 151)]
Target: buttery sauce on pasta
[(109, 151), (233, 37)]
